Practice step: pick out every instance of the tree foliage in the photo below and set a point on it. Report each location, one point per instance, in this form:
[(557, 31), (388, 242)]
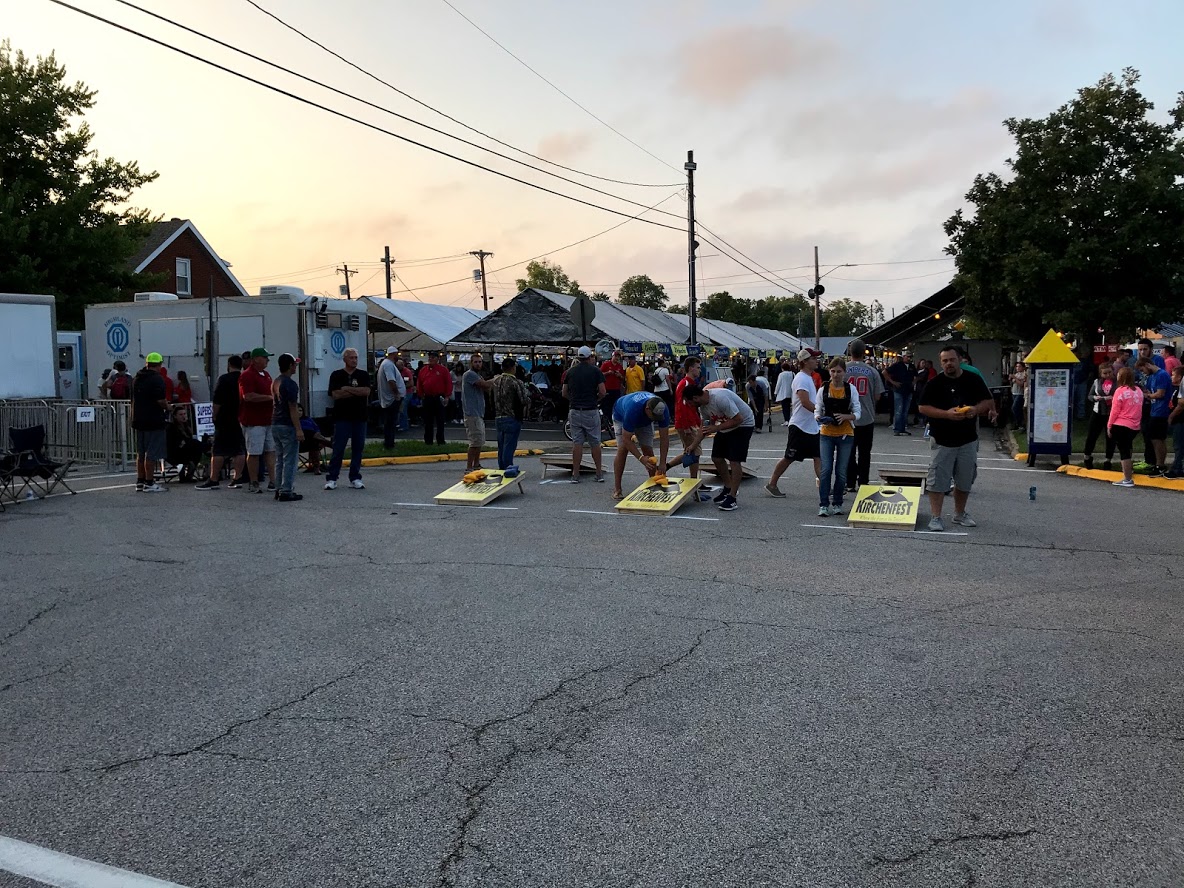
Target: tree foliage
[(642, 292), (1087, 230), (65, 228), (846, 317), (550, 276)]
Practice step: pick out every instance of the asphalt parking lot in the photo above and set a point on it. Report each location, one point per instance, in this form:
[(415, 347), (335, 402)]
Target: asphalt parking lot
[(366, 689)]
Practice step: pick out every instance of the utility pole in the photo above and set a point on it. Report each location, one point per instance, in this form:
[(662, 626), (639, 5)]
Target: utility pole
[(690, 166), (347, 271), (387, 261), (481, 257), (816, 293)]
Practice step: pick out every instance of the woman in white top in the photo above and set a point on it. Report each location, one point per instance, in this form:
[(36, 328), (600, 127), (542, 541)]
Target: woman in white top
[(662, 387), (836, 407)]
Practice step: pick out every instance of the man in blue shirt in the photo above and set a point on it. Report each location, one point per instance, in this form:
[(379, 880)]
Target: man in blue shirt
[(636, 414), (1155, 427)]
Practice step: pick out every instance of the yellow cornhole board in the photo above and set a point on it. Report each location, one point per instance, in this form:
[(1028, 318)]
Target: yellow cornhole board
[(885, 506), (494, 485), (898, 477), (563, 461), (709, 468), (651, 499)]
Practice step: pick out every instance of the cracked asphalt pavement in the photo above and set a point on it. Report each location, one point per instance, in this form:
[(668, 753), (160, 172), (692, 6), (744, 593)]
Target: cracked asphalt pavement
[(364, 690)]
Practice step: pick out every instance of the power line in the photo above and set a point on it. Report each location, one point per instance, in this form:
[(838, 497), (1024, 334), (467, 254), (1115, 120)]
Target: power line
[(557, 89), (359, 121), (443, 114), (889, 280), (365, 102)]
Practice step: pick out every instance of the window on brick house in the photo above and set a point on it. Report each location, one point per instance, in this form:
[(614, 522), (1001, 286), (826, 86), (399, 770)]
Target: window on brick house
[(184, 287)]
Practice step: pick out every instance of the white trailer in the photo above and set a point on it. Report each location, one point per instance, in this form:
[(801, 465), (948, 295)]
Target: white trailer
[(312, 328), (28, 346)]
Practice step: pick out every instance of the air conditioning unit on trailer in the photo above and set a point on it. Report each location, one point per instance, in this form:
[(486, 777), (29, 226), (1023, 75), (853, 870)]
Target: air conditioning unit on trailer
[(278, 290), (155, 297)]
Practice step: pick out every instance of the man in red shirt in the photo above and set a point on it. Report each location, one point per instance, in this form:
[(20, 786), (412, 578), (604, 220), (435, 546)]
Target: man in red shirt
[(435, 391), (254, 413), (686, 416), (614, 383)]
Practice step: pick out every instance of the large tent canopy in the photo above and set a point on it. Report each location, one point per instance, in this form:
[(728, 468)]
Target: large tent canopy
[(540, 318), (416, 326), (914, 324)]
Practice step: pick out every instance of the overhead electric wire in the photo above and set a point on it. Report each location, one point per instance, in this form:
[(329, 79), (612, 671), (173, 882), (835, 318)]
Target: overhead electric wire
[(361, 122), (359, 100), (557, 89), (444, 114)]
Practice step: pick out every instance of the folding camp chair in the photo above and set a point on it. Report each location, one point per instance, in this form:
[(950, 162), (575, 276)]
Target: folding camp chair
[(37, 473), (7, 487)]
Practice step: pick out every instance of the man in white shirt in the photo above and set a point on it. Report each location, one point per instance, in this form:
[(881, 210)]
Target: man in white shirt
[(802, 442), (731, 421), (391, 392)]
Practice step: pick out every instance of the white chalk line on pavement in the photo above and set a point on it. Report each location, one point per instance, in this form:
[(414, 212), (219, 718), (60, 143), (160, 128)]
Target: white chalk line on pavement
[(65, 871), (627, 515), (454, 506), (947, 533)]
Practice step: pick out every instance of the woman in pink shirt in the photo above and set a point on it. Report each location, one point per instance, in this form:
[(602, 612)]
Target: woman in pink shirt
[(1126, 413)]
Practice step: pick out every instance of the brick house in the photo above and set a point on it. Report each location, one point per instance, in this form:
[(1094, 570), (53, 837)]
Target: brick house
[(176, 248)]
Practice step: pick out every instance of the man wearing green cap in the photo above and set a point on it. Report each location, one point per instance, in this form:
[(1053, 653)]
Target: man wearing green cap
[(149, 403), (254, 413)]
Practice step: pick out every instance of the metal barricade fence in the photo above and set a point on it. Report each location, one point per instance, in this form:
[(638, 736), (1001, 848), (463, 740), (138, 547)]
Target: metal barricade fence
[(104, 440)]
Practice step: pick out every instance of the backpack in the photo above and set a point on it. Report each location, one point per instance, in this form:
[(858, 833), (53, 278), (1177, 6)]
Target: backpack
[(120, 388)]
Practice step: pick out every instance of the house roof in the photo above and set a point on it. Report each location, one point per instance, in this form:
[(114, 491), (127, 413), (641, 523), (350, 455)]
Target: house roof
[(540, 317), (164, 233), (916, 322), (419, 325)]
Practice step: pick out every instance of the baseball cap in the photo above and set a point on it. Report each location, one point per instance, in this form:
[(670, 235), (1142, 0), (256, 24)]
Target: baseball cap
[(391, 351), (807, 353), (260, 353), (287, 359), (584, 352), (657, 407), (154, 358)]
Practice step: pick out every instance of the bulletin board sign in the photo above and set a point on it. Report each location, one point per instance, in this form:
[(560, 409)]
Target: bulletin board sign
[(1050, 406)]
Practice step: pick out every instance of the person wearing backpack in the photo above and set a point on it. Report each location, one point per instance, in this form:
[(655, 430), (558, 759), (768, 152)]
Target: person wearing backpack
[(117, 386)]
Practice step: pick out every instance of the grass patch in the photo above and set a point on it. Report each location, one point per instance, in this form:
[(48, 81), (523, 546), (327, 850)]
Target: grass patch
[(1080, 431), (374, 449)]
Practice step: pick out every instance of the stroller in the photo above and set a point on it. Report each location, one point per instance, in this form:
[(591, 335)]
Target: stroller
[(541, 407)]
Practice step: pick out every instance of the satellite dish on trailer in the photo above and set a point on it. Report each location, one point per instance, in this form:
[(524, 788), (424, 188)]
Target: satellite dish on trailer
[(605, 348)]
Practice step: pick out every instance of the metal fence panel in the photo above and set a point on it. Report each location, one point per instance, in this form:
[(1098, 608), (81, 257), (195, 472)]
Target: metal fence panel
[(103, 442)]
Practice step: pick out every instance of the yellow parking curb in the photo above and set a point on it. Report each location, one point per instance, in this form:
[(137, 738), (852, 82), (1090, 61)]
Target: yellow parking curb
[(437, 457), (1176, 484)]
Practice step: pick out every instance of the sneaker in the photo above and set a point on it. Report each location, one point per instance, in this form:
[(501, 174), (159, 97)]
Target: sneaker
[(853, 490), (357, 484), (774, 490), (1172, 473), (1123, 483), (154, 488), (907, 432), (139, 487), (600, 479), (271, 487), (330, 485), (290, 497), (1088, 462), (823, 512), (1141, 466), (573, 480), (935, 524), (836, 510), (234, 484), (965, 520), (721, 496), (728, 504), (208, 484), (254, 488)]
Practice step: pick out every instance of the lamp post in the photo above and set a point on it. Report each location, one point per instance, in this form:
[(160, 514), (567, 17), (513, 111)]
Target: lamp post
[(816, 292)]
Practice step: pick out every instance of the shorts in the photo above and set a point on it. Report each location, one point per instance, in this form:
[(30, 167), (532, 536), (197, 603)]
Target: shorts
[(228, 441), (151, 444), (644, 434), (258, 440), (958, 465), (688, 436), (801, 445), (733, 445), (1124, 439), (1155, 428), (585, 426), (475, 429)]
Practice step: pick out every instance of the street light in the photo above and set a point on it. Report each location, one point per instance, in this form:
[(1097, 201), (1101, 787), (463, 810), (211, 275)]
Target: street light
[(816, 292)]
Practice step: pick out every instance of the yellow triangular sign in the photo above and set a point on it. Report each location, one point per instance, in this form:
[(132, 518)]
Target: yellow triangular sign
[(1051, 350)]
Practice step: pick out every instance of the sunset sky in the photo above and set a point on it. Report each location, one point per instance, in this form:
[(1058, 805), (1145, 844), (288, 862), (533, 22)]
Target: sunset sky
[(856, 125)]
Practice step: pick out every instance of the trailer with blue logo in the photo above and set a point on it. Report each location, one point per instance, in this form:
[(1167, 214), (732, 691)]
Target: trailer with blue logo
[(187, 332)]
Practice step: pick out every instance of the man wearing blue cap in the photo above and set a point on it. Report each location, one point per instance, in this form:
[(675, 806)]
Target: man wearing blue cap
[(636, 414)]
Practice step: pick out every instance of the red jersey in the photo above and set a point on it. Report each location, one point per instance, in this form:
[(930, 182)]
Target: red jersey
[(254, 382), (686, 416), (434, 379), (613, 383)]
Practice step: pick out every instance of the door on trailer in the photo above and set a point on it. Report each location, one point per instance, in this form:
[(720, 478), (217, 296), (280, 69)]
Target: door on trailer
[(177, 341), (70, 373)]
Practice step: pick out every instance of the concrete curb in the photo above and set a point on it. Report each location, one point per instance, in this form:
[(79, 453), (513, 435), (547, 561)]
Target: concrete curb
[(438, 457), (1173, 484)]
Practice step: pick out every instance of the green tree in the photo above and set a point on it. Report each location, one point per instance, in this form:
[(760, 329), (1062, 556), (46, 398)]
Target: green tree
[(1086, 231), (599, 296), (641, 292), (549, 276), (65, 228), (846, 317), (679, 310)]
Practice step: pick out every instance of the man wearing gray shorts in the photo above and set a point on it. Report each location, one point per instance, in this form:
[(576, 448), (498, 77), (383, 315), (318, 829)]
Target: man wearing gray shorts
[(952, 402), (584, 389)]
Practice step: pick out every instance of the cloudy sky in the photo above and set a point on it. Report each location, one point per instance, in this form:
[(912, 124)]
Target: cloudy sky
[(853, 125)]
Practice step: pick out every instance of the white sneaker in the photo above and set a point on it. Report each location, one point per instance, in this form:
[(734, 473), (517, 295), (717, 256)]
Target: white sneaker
[(1123, 483), (330, 485), (823, 512), (836, 510), (357, 484), (935, 524), (156, 488), (965, 520)]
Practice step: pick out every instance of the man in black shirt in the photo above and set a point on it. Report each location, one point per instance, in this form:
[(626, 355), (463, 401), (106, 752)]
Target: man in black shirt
[(900, 376), (350, 391), (584, 388), (228, 434), (952, 402), (149, 403)]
